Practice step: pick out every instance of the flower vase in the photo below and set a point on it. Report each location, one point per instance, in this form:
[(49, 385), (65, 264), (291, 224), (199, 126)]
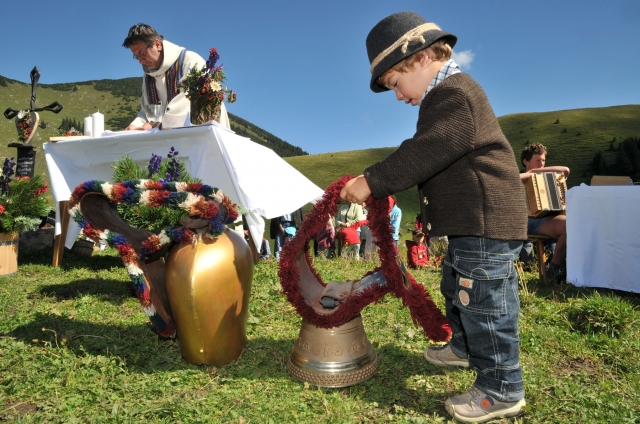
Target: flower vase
[(208, 286), (204, 110), (9, 253)]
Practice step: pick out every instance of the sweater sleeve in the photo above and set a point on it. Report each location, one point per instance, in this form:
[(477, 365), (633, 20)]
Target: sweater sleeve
[(445, 133)]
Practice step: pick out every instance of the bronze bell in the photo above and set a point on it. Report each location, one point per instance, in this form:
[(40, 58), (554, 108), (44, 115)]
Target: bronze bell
[(335, 357)]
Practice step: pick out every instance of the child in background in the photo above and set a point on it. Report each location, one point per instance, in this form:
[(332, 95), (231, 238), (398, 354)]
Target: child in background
[(470, 190), (350, 240), (417, 253)]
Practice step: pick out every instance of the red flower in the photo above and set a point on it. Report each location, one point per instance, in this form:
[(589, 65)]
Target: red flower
[(194, 187), (158, 197), (1, 209), (117, 192), (41, 190)]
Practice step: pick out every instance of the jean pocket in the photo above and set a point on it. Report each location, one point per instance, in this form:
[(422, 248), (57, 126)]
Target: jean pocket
[(481, 285)]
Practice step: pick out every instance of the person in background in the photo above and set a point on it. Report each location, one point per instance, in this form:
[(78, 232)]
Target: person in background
[(325, 240), (350, 240), (417, 253), (348, 214), (534, 159), (264, 254), (365, 233), (395, 216), (469, 189), (282, 228), (164, 65)]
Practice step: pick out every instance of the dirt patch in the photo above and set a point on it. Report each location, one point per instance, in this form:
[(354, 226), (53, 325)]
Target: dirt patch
[(18, 409), (577, 366)]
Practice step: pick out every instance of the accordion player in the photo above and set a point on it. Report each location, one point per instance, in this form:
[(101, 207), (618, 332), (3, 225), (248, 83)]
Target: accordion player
[(546, 193)]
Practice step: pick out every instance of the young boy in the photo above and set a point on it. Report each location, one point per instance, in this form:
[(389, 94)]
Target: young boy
[(534, 159), (470, 190), (417, 253)]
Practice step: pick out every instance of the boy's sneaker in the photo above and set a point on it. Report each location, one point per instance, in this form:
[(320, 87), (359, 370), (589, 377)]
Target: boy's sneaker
[(475, 406), (443, 356)]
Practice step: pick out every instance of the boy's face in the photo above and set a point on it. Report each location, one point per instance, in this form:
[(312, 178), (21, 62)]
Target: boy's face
[(410, 86), (537, 161), (418, 238)]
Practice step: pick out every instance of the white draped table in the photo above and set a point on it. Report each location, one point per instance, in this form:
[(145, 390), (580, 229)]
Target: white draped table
[(603, 237), (252, 175)]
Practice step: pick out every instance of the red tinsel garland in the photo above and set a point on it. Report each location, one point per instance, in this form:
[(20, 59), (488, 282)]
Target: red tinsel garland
[(423, 310)]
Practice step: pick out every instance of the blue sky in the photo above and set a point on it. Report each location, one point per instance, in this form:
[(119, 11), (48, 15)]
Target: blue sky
[(300, 68)]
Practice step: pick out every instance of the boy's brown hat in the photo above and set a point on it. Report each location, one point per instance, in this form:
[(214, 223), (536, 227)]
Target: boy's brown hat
[(397, 37), (417, 233)]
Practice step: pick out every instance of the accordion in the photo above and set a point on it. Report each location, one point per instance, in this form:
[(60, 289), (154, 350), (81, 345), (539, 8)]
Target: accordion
[(545, 193)]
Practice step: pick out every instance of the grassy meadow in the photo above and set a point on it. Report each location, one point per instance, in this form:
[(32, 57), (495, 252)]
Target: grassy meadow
[(75, 346)]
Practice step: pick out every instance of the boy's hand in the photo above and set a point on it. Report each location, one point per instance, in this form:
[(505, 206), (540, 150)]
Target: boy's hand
[(356, 190)]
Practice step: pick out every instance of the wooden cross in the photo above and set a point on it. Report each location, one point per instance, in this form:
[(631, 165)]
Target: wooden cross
[(27, 121)]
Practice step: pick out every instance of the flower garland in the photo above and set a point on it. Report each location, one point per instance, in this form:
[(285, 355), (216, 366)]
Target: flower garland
[(200, 201), (296, 255)]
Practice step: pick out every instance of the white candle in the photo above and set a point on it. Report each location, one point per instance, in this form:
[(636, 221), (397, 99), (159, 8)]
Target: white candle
[(88, 126), (97, 127)]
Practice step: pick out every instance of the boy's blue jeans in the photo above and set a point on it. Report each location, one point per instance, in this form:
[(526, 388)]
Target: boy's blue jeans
[(480, 285)]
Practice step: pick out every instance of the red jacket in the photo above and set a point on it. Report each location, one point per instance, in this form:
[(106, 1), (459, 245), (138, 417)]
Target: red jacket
[(417, 255), (350, 235)]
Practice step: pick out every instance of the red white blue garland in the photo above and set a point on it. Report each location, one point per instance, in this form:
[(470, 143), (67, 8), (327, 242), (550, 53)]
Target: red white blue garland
[(200, 201)]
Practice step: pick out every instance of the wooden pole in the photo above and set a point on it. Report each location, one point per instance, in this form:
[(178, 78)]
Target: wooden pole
[(58, 244)]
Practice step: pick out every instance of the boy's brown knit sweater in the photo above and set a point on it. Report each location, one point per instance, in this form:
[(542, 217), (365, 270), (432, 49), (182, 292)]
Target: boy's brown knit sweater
[(462, 163)]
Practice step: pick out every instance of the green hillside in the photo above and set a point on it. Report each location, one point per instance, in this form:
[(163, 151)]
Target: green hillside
[(573, 137), (587, 132), (118, 100)]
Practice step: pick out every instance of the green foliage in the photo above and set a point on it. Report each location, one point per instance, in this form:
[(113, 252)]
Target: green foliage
[(152, 219), (68, 123), (23, 205), (627, 160), (125, 169), (599, 165), (601, 314), (139, 216), (260, 136)]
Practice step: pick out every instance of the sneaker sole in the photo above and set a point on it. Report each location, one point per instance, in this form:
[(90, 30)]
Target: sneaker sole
[(515, 410), (440, 363)]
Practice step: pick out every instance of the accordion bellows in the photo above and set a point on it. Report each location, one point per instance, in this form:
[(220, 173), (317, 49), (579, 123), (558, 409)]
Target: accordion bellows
[(546, 193)]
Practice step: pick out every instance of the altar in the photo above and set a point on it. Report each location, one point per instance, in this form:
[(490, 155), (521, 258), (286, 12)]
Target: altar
[(253, 176), (603, 237)]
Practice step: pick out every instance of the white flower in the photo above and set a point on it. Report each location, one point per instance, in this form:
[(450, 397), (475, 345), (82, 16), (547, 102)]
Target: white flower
[(142, 184), (181, 186), (74, 210), (189, 201), (132, 269), (218, 196), (215, 85), (106, 189), (144, 197), (149, 310), (163, 238), (104, 235)]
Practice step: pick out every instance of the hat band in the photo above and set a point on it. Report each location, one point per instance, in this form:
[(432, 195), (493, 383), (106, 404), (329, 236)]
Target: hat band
[(411, 35)]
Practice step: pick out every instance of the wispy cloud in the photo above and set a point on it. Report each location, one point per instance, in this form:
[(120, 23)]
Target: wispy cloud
[(464, 58)]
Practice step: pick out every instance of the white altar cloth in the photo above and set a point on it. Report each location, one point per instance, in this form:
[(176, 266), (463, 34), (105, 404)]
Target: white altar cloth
[(603, 237), (252, 175)]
